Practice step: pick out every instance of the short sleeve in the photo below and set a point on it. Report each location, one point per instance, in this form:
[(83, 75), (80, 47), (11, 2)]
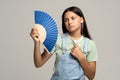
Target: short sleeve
[(92, 55)]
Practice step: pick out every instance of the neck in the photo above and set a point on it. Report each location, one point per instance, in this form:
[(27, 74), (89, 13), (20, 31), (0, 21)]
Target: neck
[(75, 35)]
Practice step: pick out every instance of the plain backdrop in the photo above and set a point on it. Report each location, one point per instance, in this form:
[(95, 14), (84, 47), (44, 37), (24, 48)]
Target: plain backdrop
[(16, 45)]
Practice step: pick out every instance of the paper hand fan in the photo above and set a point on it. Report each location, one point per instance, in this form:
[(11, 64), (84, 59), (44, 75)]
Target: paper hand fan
[(47, 28)]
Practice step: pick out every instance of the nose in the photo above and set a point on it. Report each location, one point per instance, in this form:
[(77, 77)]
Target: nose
[(70, 21)]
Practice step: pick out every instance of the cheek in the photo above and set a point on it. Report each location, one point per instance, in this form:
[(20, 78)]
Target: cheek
[(78, 23), (66, 25)]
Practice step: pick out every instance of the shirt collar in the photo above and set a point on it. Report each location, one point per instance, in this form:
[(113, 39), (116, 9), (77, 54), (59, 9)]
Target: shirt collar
[(75, 41)]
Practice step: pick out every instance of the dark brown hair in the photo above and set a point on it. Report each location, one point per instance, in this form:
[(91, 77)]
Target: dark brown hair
[(76, 10)]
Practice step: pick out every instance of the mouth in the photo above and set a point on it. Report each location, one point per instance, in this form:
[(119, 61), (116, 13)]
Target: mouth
[(71, 26)]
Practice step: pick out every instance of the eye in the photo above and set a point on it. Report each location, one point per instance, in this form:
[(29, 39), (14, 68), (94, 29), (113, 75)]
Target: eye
[(73, 18), (65, 20)]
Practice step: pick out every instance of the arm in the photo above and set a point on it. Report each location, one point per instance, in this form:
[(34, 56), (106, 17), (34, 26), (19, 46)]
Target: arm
[(88, 67), (39, 59)]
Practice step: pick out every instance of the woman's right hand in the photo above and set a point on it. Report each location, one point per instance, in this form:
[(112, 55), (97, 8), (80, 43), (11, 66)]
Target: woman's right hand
[(35, 35)]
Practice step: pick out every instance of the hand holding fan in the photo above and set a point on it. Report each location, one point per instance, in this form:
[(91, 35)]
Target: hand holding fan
[(42, 32), (47, 29)]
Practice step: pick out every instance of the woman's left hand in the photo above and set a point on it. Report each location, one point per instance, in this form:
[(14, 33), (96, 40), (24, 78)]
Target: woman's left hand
[(77, 52)]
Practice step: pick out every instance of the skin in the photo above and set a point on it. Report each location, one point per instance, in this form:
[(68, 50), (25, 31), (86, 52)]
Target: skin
[(73, 25)]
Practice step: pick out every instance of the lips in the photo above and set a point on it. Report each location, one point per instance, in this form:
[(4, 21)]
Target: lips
[(70, 26)]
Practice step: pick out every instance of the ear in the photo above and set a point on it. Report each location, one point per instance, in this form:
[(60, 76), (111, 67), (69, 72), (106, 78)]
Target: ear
[(82, 20)]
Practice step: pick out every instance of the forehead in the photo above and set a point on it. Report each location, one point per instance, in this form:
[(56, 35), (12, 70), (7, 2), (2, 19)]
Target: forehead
[(69, 14)]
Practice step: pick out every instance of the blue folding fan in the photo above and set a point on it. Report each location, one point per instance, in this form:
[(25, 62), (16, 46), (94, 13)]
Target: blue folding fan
[(50, 26)]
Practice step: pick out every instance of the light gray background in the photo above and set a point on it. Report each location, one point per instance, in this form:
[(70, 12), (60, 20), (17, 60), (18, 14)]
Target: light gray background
[(16, 46)]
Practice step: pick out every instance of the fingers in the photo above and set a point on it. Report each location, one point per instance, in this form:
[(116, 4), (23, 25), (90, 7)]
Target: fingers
[(34, 34), (76, 47), (34, 31)]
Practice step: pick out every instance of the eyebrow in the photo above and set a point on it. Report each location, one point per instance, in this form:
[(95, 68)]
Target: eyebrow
[(70, 17)]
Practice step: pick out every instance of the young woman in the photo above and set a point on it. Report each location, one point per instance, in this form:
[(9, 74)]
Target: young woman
[(76, 53)]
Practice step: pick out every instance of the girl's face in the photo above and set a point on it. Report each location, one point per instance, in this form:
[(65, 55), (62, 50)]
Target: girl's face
[(72, 21)]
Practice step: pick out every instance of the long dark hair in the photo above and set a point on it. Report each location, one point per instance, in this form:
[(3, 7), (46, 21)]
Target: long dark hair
[(84, 29)]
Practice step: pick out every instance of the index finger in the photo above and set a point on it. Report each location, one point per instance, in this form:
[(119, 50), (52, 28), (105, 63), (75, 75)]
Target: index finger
[(76, 45)]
